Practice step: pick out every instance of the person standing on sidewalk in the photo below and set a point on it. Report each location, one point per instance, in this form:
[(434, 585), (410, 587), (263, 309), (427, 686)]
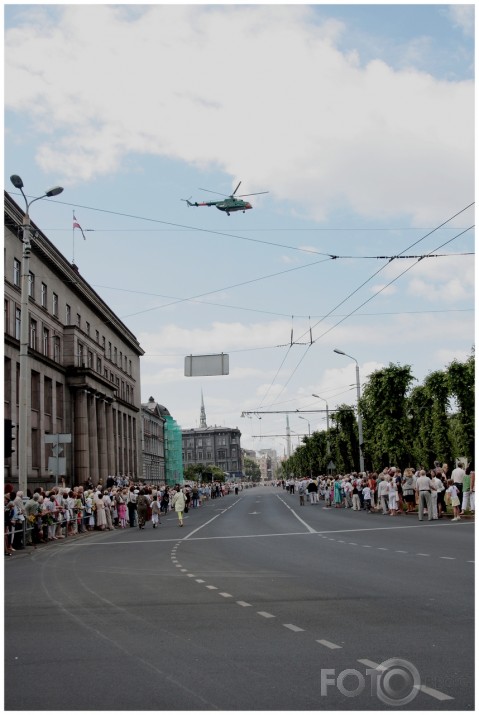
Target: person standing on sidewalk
[(424, 487)]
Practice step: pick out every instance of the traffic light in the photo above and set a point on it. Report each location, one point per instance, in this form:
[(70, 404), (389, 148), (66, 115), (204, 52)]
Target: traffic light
[(9, 435)]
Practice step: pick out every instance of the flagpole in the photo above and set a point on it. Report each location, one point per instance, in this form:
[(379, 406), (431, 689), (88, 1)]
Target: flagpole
[(73, 236)]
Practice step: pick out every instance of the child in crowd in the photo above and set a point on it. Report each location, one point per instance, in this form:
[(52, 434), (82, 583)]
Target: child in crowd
[(367, 498), (454, 497)]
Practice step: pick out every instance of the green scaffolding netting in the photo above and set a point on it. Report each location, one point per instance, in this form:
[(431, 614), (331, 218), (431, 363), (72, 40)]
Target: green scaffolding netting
[(173, 452)]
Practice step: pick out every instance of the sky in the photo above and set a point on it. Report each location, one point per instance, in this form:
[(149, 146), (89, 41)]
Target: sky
[(358, 120)]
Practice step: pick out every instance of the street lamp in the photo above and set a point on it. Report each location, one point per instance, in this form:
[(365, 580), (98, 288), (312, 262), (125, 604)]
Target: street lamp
[(327, 421), (24, 392), (360, 421)]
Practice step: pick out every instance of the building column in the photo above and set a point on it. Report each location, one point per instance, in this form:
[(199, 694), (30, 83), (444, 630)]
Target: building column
[(102, 441), (82, 468), (110, 439), (93, 441)]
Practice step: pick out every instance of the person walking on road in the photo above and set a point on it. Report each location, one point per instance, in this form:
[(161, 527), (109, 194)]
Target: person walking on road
[(179, 503), (142, 505)]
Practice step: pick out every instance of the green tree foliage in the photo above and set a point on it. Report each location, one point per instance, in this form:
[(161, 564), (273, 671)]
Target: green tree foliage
[(251, 469), (403, 425), (385, 421)]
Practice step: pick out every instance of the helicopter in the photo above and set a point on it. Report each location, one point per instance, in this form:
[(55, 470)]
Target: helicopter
[(229, 203)]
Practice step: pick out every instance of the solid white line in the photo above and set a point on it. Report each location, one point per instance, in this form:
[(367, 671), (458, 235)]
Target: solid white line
[(265, 614), (225, 595), (424, 688), (291, 627), (308, 527), (434, 693), (328, 644)]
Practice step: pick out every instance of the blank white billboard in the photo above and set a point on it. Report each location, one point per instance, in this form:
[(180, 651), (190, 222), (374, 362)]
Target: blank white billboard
[(200, 365)]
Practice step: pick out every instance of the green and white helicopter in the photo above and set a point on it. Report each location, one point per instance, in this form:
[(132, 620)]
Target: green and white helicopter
[(229, 203)]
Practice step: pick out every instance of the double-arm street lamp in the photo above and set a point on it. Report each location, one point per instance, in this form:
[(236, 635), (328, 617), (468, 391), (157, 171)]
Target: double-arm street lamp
[(24, 391), (360, 421)]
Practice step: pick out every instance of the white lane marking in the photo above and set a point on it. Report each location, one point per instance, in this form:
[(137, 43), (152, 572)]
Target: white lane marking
[(265, 614), (308, 527), (352, 543), (292, 627), (225, 595), (424, 688), (328, 644), (212, 588), (449, 558), (178, 566), (401, 552), (382, 548), (243, 603), (434, 693), (340, 541), (471, 562), (423, 554), (366, 546), (199, 580), (184, 570), (190, 534), (190, 575)]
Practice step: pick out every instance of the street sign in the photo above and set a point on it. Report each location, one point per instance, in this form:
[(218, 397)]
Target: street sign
[(200, 365), (56, 438), (57, 465)]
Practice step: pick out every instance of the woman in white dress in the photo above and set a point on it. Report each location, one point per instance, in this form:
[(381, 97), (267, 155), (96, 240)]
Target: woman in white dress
[(100, 512), (392, 496)]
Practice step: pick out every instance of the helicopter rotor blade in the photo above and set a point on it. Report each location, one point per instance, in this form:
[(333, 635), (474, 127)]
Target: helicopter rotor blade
[(213, 192), (234, 192), (255, 194)]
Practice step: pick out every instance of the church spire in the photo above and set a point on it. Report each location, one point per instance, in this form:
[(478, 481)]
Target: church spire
[(202, 413)]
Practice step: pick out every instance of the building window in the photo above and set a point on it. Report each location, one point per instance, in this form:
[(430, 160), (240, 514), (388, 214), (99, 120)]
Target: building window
[(188, 456), (31, 285), (98, 365), (121, 360), (115, 356), (199, 443), (129, 367), (48, 396), (209, 455), (87, 327), (90, 359), (55, 305), (17, 272), (18, 322), (97, 336), (35, 390), (109, 351), (221, 454), (59, 400), (126, 364), (68, 314), (44, 295), (6, 322), (56, 349), (78, 320), (103, 341), (46, 342), (199, 455), (33, 334), (81, 356), (105, 373)]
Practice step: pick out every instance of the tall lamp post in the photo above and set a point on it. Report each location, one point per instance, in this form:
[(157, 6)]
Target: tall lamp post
[(24, 392), (360, 421)]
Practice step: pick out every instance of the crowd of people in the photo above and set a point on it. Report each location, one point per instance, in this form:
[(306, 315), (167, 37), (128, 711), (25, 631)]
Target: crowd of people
[(392, 492), (42, 516)]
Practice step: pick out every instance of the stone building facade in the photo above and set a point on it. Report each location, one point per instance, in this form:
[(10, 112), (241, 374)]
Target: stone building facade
[(84, 367)]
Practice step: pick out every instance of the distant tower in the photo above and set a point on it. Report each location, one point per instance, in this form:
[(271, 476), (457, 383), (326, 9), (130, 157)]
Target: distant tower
[(202, 413)]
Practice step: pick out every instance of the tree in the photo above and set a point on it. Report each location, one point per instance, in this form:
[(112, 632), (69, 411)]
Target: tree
[(251, 469), (460, 378)]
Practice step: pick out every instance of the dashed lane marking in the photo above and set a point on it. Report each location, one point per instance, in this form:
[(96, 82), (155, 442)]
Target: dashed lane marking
[(243, 603), (398, 551), (225, 595), (449, 558), (328, 644), (292, 627), (212, 588), (190, 575), (265, 614), (199, 580), (423, 554)]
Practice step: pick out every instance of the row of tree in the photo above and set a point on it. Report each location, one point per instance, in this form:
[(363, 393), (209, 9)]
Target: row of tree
[(403, 425)]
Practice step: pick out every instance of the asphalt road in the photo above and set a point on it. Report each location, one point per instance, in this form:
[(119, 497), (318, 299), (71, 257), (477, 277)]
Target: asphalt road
[(256, 604)]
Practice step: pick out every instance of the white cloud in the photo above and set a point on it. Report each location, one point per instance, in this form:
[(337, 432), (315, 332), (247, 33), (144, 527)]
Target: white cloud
[(462, 16), (339, 125)]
